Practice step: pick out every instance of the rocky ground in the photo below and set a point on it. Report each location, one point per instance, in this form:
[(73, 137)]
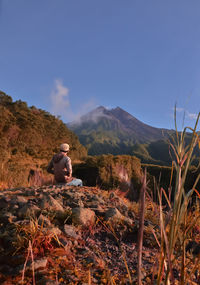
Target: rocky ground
[(68, 235)]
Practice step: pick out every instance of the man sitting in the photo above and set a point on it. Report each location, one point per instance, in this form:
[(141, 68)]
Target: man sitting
[(60, 165)]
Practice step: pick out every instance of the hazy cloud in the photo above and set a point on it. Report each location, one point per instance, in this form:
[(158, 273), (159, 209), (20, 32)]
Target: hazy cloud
[(59, 98), (187, 114), (191, 116), (60, 103), (86, 107), (179, 109)]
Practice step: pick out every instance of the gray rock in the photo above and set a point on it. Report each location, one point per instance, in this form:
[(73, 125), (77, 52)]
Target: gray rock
[(8, 218), (71, 231), (48, 202), (29, 192), (4, 202), (113, 196), (83, 216), (99, 200), (38, 264), (43, 220), (21, 200), (115, 215), (55, 231), (64, 216), (28, 210), (68, 195), (15, 207), (68, 245), (72, 204)]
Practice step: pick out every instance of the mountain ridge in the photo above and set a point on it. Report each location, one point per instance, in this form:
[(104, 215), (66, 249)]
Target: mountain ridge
[(114, 131)]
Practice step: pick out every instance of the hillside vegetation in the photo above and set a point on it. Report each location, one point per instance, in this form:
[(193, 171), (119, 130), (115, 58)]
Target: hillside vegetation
[(122, 172), (29, 137)]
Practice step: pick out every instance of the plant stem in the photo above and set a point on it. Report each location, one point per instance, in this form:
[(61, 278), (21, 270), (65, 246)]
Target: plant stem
[(141, 228)]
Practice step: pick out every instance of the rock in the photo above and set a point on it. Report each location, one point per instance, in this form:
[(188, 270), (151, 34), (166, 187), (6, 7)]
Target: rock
[(88, 260), (194, 247), (40, 263), (67, 245), (113, 196), (28, 210), (83, 216), (7, 218), (4, 203), (62, 217), (29, 192), (124, 209), (71, 231), (115, 215), (15, 207), (55, 231), (99, 200), (21, 200), (48, 202), (43, 220)]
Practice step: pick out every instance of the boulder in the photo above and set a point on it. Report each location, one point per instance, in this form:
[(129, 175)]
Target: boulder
[(113, 214), (83, 216), (51, 204), (40, 263), (28, 210), (71, 231), (43, 220), (55, 231)]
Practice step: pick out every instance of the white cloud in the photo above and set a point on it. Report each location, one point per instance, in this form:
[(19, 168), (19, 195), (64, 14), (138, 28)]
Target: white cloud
[(187, 114), (60, 103), (180, 110), (59, 98), (191, 116)]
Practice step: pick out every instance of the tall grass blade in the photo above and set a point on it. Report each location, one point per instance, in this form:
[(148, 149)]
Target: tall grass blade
[(89, 277), (141, 228), (197, 193), (127, 269), (33, 267)]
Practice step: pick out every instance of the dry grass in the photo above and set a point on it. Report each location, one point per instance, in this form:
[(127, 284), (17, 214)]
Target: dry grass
[(42, 240)]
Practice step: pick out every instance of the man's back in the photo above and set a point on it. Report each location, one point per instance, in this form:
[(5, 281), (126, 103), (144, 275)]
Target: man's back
[(61, 165)]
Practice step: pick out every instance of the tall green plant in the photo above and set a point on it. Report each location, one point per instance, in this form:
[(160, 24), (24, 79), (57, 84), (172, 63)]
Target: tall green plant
[(178, 231)]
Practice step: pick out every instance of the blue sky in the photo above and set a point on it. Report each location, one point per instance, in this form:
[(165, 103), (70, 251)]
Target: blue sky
[(69, 56)]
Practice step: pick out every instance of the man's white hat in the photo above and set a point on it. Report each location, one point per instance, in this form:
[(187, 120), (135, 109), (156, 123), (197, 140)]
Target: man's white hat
[(64, 147)]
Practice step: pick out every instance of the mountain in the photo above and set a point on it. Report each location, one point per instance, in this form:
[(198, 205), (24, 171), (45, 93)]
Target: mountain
[(116, 131)]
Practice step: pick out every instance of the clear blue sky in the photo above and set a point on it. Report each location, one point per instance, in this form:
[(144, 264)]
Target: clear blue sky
[(69, 56)]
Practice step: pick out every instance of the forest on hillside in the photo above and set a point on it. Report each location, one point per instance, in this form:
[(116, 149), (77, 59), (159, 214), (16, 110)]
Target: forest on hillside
[(29, 137)]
